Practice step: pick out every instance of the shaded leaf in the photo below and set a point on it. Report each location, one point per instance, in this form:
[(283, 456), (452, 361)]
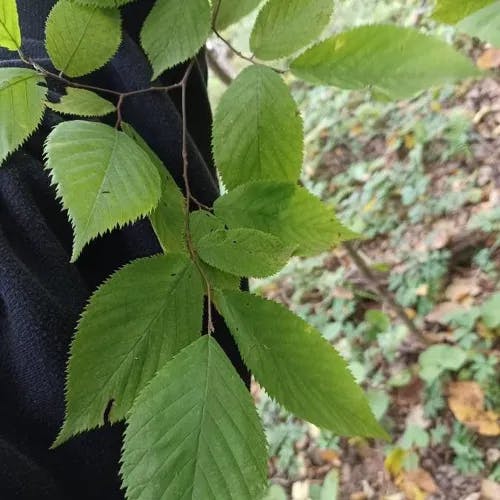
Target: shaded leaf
[(285, 26), (134, 323), (289, 212), (394, 61), (104, 3), (174, 31), (168, 218), (244, 252), (103, 177), (257, 131), (296, 365), (81, 39), (194, 432), (21, 107), (82, 102), (10, 32)]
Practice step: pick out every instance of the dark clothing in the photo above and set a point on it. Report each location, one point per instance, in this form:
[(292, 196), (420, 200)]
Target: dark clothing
[(42, 294)]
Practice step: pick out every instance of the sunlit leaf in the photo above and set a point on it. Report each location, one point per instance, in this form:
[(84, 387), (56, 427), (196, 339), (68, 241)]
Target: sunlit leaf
[(81, 102), (22, 97), (285, 26), (391, 60), (81, 39), (104, 179), (10, 32)]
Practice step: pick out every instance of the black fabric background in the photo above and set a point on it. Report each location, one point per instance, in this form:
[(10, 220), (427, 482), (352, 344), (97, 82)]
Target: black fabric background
[(41, 294)]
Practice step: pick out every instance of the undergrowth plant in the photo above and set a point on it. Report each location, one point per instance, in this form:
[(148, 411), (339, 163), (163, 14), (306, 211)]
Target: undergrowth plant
[(141, 352)]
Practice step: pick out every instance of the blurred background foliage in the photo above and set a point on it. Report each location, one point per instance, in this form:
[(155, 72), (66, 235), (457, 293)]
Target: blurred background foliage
[(420, 181)]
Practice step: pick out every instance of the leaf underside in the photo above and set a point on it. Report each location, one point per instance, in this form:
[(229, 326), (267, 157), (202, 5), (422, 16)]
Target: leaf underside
[(483, 24)]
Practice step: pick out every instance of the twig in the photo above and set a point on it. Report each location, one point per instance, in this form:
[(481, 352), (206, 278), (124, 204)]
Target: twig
[(386, 296), (189, 196), (250, 59)]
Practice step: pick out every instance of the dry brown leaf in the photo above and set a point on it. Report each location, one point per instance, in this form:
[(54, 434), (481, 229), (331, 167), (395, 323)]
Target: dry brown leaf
[(489, 59), (441, 311), (421, 479), (330, 456), (461, 288), (466, 401), (490, 490)]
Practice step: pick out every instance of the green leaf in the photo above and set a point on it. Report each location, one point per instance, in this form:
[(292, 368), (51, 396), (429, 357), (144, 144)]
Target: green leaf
[(285, 26), (331, 486), (21, 107), (103, 177), (134, 323), (168, 218), (257, 131), (452, 11), (194, 433), (275, 492), (244, 252), (436, 359), (202, 223), (490, 311), (104, 3), (10, 32), (82, 102), (285, 210), (483, 24), (394, 61), (174, 31), (296, 365), (81, 39), (231, 11)]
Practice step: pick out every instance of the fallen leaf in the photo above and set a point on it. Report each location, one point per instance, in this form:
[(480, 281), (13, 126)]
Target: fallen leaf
[(330, 456), (461, 288), (466, 401), (442, 311), (393, 463), (490, 490), (489, 59), (416, 484)]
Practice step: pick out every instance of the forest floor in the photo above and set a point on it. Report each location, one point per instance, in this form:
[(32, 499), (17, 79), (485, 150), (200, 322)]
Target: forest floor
[(419, 180)]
